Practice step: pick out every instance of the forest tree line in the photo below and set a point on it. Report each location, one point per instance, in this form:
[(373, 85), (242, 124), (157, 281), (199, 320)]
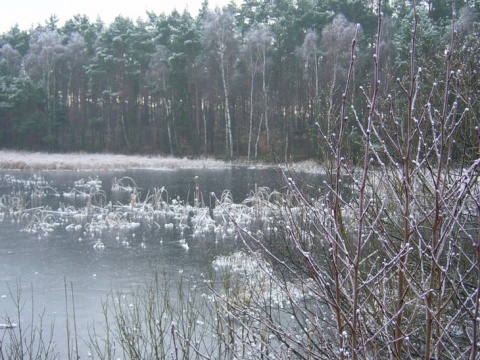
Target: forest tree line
[(258, 80)]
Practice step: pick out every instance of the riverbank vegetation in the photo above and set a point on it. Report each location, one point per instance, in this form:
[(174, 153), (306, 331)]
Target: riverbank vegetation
[(381, 262), (38, 161)]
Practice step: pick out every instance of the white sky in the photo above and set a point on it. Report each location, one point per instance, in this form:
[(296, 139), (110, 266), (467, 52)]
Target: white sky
[(26, 13)]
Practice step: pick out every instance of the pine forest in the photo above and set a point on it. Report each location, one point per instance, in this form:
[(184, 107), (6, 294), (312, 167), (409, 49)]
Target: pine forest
[(259, 80)]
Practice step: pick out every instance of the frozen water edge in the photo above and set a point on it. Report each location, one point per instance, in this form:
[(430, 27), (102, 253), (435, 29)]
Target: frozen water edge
[(21, 160), (84, 161)]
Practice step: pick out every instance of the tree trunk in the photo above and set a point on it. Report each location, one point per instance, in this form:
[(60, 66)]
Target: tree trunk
[(228, 122)]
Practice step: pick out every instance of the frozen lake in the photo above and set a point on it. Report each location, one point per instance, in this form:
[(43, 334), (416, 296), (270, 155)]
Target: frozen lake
[(47, 262)]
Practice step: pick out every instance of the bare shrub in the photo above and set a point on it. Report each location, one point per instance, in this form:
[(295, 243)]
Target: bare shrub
[(390, 270)]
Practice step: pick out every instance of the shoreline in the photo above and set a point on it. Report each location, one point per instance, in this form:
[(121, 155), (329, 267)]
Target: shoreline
[(21, 160), (33, 161)]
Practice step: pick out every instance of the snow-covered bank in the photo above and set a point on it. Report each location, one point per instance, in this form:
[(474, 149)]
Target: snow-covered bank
[(84, 161), (20, 160)]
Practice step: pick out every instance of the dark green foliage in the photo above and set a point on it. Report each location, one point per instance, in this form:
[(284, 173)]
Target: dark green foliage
[(157, 85), (22, 115)]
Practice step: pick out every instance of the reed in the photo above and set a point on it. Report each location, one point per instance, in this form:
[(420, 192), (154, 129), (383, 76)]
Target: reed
[(24, 335)]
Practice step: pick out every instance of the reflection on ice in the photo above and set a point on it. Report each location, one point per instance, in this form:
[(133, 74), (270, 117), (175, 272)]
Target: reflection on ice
[(256, 284)]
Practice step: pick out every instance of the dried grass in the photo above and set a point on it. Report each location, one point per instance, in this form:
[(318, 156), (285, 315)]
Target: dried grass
[(22, 160), (83, 161)]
